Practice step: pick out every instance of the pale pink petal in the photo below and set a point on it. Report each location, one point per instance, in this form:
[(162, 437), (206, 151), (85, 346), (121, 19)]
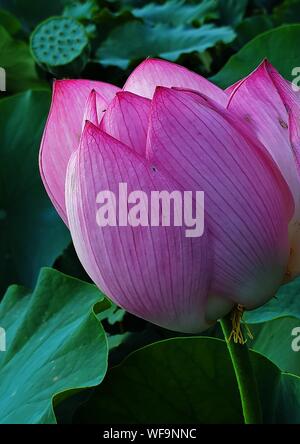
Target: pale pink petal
[(127, 118), (156, 273), (154, 72), (248, 203), (63, 131)]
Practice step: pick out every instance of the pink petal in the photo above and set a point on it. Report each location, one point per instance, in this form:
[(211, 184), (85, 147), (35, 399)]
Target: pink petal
[(127, 118), (291, 101), (90, 111), (231, 88), (156, 273), (257, 102), (63, 130), (270, 109), (154, 72), (248, 204)]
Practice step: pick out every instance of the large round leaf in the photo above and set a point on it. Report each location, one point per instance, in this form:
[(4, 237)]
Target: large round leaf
[(31, 233), (274, 326), (286, 303), (55, 344), (187, 380), (279, 45), (279, 340)]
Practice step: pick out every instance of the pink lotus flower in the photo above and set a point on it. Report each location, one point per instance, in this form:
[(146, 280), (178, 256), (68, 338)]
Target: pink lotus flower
[(167, 129)]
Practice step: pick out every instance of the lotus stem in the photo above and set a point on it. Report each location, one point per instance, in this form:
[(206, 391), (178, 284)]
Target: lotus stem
[(244, 373)]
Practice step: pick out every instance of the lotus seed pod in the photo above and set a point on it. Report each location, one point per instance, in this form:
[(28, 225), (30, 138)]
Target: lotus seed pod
[(60, 45)]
